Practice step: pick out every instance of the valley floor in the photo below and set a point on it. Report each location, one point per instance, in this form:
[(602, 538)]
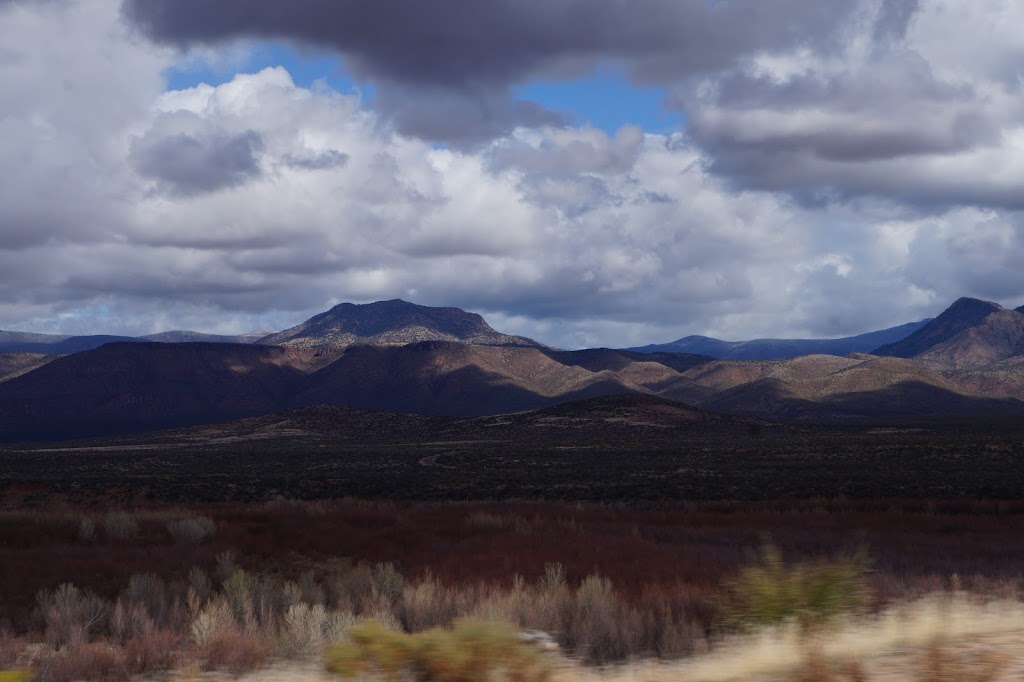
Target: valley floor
[(618, 455)]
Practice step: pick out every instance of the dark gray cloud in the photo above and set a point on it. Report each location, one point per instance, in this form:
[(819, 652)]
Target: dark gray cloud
[(465, 45), (186, 165), (443, 68)]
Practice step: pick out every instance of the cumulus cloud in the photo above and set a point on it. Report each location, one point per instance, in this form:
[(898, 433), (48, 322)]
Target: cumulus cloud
[(891, 117), (839, 170), (465, 45), (62, 119)]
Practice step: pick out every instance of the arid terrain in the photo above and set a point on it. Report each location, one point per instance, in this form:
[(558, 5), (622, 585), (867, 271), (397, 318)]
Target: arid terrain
[(632, 449), (395, 476)]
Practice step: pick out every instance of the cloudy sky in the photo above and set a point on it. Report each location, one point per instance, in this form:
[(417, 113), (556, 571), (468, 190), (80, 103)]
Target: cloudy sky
[(586, 172)]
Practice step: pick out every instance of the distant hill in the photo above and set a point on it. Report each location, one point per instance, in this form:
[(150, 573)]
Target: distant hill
[(781, 349), (392, 323), (200, 337), (55, 344), (131, 387), (967, 361), (52, 344), (139, 386), (857, 387), (15, 364), (450, 378), (384, 323), (598, 359), (999, 336), (963, 314)]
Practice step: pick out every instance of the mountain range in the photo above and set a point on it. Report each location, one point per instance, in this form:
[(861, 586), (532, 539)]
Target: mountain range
[(384, 323), (400, 357), (781, 349)]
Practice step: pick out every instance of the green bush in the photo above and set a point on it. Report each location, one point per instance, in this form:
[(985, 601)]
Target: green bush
[(772, 592), (469, 652)]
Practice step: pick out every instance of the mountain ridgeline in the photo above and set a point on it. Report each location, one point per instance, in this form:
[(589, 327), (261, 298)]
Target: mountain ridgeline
[(384, 323), (54, 344), (782, 349), (392, 323), (961, 316), (399, 357)]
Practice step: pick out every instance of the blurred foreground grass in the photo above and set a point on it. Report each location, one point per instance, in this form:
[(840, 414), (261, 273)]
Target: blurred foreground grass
[(468, 652), (809, 621)]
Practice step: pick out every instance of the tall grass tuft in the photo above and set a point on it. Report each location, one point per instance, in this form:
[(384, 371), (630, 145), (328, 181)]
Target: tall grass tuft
[(771, 592)]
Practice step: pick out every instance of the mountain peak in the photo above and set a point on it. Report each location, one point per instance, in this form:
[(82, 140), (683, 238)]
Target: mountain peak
[(392, 323), (963, 314), (966, 305)]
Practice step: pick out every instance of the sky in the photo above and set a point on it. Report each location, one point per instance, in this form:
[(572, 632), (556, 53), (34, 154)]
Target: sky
[(584, 172)]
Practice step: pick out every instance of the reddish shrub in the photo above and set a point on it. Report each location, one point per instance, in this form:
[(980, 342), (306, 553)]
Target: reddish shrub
[(96, 661), (11, 649), (153, 651), (236, 652)]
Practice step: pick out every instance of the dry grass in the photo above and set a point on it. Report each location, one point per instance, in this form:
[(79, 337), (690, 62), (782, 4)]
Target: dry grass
[(920, 632), (940, 639), (611, 585)]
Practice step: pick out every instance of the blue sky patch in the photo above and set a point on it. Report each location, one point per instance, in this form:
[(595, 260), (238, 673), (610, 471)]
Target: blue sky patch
[(306, 67), (604, 99)]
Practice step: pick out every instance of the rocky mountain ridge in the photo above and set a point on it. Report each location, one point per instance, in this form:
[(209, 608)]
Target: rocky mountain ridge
[(968, 361)]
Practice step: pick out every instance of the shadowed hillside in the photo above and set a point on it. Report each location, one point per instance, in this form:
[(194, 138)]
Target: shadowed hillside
[(458, 379), (139, 386)]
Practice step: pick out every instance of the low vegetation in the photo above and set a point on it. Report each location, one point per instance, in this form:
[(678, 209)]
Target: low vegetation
[(347, 582), (469, 651)]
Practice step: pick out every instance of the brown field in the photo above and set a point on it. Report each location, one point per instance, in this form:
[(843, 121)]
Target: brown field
[(660, 574)]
